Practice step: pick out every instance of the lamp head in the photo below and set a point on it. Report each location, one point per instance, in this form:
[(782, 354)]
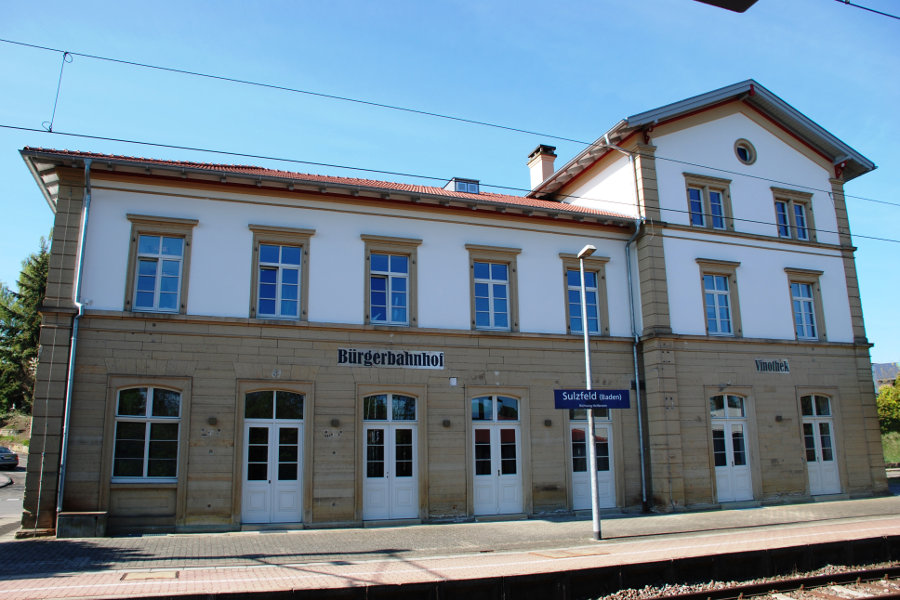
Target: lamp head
[(587, 251)]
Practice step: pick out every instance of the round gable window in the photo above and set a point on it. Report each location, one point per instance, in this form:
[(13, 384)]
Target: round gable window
[(745, 151)]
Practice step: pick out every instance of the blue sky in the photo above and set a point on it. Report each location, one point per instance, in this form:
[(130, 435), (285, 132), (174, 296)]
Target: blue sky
[(569, 69)]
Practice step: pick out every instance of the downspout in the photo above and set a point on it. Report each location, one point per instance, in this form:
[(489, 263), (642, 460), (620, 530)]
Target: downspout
[(76, 299)]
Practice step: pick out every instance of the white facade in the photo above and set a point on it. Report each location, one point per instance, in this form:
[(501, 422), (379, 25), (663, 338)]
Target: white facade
[(708, 149), (220, 261)]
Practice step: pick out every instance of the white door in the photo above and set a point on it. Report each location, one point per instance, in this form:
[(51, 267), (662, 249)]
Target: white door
[(497, 456), (272, 486), (581, 481), (818, 439), (390, 484), (498, 478), (734, 480), (390, 463), (272, 470)]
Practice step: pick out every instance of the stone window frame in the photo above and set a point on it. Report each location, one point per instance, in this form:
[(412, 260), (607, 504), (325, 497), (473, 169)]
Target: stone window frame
[(747, 147), (162, 226), (282, 236), (710, 266), (791, 198), (706, 184), (597, 265), (812, 278), (380, 244), (496, 255), (115, 385)]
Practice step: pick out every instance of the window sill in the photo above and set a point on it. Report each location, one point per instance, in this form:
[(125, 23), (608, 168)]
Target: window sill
[(143, 483)]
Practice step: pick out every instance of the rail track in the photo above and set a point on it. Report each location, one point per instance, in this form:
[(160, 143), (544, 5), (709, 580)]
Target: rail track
[(883, 582)]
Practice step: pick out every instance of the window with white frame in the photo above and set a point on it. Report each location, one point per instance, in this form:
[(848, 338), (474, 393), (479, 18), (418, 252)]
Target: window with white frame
[(709, 202), (280, 267), (278, 294), (806, 303), (717, 305), (573, 288), (159, 268), (391, 280), (158, 264), (804, 310), (793, 215), (389, 288), (595, 292), (720, 298), (491, 295), (493, 288), (147, 434)]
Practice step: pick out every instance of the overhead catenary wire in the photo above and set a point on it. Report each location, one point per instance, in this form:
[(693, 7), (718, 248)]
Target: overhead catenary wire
[(871, 10), (337, 97), (393, 173)]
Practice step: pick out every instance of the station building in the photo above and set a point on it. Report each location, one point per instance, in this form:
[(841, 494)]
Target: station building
[(226, 347)]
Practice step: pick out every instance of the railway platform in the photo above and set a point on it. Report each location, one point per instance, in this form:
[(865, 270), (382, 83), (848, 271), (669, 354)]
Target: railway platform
[(533, 558)]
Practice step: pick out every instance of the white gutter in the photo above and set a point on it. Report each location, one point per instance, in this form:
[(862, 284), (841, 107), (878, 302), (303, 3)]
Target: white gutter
[(76, 299)]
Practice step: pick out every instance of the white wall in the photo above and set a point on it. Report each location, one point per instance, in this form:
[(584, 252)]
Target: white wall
[(220, 270), (777, 164), (611, 190), (764, 294)]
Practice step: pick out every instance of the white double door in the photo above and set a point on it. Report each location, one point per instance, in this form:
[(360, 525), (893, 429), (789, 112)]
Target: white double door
[(732, 461), (820, 461), (497, 469), (581, 480), (390, 479), (272, 489)]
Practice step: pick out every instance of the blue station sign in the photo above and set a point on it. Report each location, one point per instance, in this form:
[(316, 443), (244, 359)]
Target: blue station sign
[(591, 399)]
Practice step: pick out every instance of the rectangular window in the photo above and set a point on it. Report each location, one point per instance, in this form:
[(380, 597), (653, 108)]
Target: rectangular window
[(804, 312), (279, 278), (494, 283), (590, 300), (278, 293), (158, 273), (709, 202), (389, 288), (793, 215), (720, 297), (806, 303), (491, 295), (595, 293), (391, 280), (146, 434), (718, 310), (158, 264)]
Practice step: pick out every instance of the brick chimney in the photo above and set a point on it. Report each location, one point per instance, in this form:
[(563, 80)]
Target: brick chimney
[(540, 163)]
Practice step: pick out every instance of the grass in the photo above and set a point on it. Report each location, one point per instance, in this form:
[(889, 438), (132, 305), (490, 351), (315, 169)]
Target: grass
[(890, 442), (18, 423)]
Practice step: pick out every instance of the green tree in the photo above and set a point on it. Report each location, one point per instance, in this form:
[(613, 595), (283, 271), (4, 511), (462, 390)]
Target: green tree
[(20, 326), (889, 407)]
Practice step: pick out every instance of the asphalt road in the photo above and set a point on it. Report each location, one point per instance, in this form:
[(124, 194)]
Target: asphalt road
[(11, 498)]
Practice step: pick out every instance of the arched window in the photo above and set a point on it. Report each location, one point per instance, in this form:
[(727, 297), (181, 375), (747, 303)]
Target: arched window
[(389, 407), (147, 430)]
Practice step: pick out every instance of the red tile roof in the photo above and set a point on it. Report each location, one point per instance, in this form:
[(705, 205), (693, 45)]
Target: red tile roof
[(387, 186)]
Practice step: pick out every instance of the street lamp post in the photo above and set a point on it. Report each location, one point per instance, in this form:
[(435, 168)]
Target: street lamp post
[(592, 445)]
